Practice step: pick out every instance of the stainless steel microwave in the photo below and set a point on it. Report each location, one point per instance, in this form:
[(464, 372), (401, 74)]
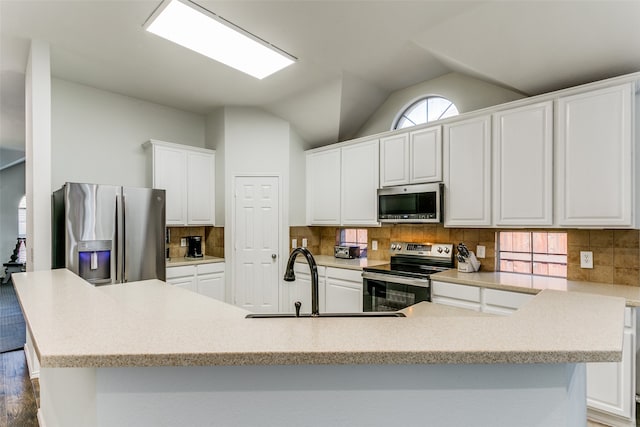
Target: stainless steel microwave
[(417, 203)]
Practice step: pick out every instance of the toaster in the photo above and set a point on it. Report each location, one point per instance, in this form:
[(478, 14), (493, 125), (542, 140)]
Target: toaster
[(346, 252)]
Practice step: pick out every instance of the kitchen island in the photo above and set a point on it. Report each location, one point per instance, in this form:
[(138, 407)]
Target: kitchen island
[(146, 353)]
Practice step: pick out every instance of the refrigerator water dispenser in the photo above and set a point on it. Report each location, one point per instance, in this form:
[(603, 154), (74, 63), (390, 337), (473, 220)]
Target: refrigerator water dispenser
[(94, 261)]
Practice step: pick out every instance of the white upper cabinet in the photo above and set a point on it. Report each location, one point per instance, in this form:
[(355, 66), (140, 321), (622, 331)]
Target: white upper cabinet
[(323, 187), (200, 188), (523, 166), (187, 175), (359, 177), (411, 158), (594, 158), (342, 185), (394, 160), (467, 172)]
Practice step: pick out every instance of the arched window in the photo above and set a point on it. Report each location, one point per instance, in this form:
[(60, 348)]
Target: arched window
[(22, 217), (425, 110)]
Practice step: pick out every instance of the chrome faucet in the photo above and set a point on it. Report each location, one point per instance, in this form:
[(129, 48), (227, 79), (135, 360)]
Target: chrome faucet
[(289, 276)]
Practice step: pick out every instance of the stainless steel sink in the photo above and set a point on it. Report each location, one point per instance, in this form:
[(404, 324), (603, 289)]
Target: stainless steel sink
[(293, 316)]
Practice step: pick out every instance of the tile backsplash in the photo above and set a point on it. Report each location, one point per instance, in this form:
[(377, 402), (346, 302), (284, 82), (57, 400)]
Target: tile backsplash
[(213, 240), (616, 253)]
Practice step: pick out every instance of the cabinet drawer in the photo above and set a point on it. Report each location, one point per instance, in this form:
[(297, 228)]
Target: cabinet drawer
[(303, 268), (507, 299), (460, 292), (213, 267), (344, 274), (181, 271)]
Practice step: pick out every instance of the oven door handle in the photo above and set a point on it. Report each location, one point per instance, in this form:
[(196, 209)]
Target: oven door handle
[(424, 283)]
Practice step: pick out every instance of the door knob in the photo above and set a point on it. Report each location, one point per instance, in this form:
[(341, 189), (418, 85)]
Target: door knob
[(274, 256)]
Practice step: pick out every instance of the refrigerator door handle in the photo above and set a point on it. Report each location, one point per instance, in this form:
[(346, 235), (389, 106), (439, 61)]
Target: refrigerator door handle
[(123, 231), (119, 240)]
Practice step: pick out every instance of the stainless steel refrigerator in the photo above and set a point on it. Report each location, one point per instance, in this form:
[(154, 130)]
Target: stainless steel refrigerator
[(109, 234)]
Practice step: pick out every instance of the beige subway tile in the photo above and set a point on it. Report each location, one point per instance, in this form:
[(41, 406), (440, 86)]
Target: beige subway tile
[(457, 235), (430, 234), (471, 236), (601, 238), (601, 274), (488, 264), (626, 276), (443, 235), (626, 257), (626, 238), (578, 238), (603, 256), (487, 235), (378, 233), (573, 256), (576, 273)]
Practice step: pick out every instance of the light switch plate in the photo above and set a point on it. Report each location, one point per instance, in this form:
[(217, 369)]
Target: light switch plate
[(294, 243), (586, 259), (183, 242), (374, 245), (304, 243)]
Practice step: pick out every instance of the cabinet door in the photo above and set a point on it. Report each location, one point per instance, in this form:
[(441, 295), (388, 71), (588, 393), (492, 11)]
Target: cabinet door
[(359, 198), (201, 190), (211, 285), (323, 187), (343, 296), (189, 283), (455, 295), (300, 290), (170, 174), (523, 166), (503, 302), (467, 172), (609, 385), (425, 155), (394, 160), (594, 158)]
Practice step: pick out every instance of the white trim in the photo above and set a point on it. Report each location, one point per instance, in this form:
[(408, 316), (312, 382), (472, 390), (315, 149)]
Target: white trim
[(173, 145)]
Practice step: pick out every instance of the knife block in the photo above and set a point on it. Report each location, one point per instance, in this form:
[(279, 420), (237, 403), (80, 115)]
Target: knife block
[(470, 264)]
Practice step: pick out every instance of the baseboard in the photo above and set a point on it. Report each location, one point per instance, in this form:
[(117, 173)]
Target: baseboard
[(609, 419), (41, 422)]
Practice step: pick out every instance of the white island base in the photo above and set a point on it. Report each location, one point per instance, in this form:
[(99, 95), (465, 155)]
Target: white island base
[(316, 395)]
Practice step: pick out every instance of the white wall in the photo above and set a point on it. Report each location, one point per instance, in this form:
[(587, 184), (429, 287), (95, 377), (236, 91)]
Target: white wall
[(297, 181), (214, 136), (467, 93), (12, 189), (97, 135)]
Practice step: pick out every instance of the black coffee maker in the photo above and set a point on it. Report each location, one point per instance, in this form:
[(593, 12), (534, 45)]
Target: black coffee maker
[(195, 247)]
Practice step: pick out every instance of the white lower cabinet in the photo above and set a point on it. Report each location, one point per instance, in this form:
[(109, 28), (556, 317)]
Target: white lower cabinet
[(611, 386), (496, 301), (343, 292), (340, 290), (462, 296), (205, 279)]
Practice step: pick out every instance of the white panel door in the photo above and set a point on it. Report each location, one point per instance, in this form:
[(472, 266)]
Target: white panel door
[(594, 158), (394, 160), (425, 155), (323, 187), (170, 174), (523, 166), (467, 172), (201, 196), (256, 243), (359, 198)]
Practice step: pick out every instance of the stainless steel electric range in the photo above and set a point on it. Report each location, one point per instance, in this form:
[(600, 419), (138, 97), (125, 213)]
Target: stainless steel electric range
[(405, 280)]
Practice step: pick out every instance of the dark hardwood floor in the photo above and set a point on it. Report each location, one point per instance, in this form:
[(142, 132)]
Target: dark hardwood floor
[(18, 406)]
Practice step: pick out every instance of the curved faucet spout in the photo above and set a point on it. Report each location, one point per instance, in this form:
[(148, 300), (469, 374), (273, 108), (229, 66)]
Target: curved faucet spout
[(289, 276)]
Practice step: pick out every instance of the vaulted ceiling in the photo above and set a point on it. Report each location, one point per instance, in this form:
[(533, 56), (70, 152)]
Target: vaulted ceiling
[(352, 54)]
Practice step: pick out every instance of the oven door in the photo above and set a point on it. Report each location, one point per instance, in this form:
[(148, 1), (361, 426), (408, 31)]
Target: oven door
[(385, 292)]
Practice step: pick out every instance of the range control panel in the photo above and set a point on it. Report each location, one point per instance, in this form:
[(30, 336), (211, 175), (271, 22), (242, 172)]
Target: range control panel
[(432, 250)]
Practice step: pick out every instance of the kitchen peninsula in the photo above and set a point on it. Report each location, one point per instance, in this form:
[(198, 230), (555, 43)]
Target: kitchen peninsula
[(145, 353)]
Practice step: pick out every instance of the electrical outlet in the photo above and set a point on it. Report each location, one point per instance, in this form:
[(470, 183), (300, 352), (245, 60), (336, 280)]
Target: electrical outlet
[(183, 242), (304, 243), (294, 243), (480, 251), (586, 259), (374, 245)]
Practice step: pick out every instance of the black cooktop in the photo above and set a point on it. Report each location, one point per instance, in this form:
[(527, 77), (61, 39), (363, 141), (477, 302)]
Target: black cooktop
[(419, 271)]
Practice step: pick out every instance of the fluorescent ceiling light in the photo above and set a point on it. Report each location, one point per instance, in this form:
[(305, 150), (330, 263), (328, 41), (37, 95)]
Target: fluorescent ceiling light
[(189, 25)]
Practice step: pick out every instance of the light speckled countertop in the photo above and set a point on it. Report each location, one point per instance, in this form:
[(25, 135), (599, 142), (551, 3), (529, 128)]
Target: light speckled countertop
[(351, 264), (206, 259), (150, 323), (526, 283)]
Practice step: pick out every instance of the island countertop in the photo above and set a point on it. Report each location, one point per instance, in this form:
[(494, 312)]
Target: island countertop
[(150, 323)]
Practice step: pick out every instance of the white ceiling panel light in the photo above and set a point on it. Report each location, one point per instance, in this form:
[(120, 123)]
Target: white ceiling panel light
[(191, 26)]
